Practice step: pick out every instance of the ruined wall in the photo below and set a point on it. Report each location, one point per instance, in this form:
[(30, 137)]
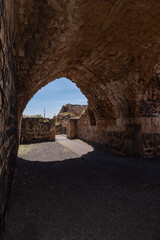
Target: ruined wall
[(131, 141), (72, 129), (75, 109), (68, 111), (8, 115), (37, 130), (127, 136), (60, 129), (63, 120)]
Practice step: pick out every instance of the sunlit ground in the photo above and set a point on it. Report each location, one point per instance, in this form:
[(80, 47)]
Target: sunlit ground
[(24, 149)]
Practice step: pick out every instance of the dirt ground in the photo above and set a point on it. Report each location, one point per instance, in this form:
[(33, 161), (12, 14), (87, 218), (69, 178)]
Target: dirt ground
[(59, 196)]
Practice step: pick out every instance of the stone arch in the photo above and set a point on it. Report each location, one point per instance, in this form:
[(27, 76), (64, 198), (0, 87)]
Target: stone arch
[(110, 64), (110, 49), (53, 43), (89, 90)]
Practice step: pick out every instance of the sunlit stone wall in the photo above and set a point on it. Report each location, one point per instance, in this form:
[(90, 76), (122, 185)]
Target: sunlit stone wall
[(37, 130)]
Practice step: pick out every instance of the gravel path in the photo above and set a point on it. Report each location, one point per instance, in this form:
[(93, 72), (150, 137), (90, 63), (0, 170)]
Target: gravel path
[(80, 199), (45, 152), (75, 145)]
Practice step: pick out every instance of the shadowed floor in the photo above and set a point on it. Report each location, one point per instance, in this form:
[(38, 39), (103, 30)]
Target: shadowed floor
[(98, 197)]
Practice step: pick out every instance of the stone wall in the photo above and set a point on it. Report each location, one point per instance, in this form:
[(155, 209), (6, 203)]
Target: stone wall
[(72, 130), (60, 129), (37, 130), (125, 137), (68, 111), (8, 114), (75, 109)]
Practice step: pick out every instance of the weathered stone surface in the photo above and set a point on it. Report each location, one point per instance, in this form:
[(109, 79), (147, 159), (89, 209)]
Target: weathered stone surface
[(60, 129), (74, 109), (72, 129), (68, 111), (37, 130), (8, 116), (110, 49), (129, 139)]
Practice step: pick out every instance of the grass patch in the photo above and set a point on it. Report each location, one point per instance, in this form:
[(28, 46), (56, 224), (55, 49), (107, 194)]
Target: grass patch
[(24, 149)]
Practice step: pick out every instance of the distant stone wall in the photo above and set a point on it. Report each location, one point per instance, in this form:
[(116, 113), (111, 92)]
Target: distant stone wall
[(64, 121), (37, 130), (68, 111), (75, 109), (72, 130), (8, 113), (60, 129)]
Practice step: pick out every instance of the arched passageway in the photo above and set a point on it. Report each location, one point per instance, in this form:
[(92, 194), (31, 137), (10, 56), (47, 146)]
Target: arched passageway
[(110, 49), (115, 67), (49, 111)]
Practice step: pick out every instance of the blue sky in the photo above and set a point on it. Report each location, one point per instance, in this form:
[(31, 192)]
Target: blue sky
[(53, 96)]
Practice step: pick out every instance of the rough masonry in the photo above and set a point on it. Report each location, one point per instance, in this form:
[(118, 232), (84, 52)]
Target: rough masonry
[(110, 49), (130, 141), (68, 111), (35, 130), (8, 109)]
